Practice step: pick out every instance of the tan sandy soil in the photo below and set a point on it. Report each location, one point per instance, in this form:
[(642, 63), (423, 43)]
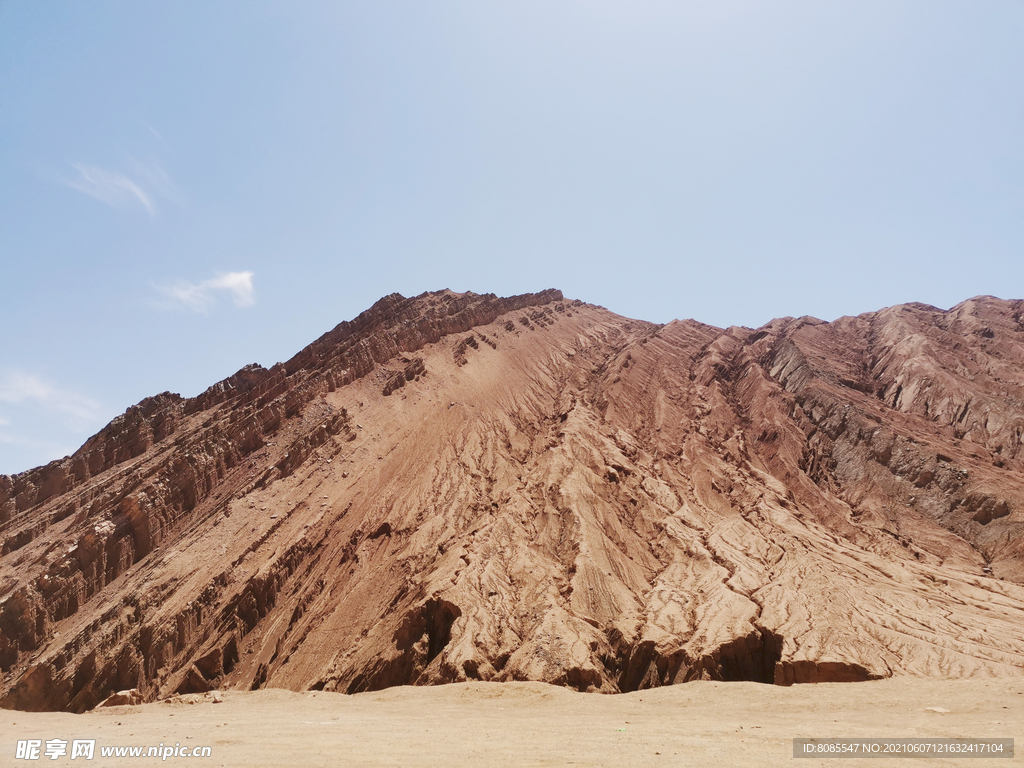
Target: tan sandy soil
[(534, 724)]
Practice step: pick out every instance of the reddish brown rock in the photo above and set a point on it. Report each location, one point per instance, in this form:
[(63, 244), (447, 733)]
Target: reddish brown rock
[(456, 487), (128, 698)]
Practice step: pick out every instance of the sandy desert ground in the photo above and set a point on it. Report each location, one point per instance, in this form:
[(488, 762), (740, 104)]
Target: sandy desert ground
[(535, 724)]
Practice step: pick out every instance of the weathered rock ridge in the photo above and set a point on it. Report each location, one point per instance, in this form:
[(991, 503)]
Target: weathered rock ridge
[(456, 487)]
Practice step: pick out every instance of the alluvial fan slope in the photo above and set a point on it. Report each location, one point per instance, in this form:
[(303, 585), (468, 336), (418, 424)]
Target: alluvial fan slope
[(458, 487)]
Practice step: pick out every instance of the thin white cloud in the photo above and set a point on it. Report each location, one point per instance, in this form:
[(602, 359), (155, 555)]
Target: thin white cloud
[(136, 183), (202, 297), (21, 453), (153, 177), (154, 131), (52, 450), (77, 411), (110, 187)]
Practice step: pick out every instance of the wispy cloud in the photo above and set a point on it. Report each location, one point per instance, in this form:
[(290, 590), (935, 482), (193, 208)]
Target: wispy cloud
[(202, 297), (138, 182), (110, 187), (41, 421), (159, 136), (77, 411), (40, 451)]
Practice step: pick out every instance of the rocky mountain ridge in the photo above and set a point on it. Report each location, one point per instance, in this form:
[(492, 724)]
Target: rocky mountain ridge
[(456, 487)]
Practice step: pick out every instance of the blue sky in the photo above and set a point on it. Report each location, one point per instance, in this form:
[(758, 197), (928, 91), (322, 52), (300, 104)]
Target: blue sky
[(189, 187)]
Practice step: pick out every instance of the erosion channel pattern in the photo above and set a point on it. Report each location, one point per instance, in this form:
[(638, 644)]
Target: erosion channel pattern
[(456, 486)]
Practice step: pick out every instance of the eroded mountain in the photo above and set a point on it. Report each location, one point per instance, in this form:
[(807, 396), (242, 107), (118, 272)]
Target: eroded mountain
[(456, 486)]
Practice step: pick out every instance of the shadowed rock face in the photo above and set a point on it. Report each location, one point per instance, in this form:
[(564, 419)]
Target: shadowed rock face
[(456, 487)]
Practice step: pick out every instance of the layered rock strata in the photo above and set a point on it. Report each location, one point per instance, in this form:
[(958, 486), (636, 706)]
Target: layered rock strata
[(456, 487)]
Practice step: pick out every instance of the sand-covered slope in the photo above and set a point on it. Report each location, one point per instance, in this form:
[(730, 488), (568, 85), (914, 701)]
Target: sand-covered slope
[(457, 487)]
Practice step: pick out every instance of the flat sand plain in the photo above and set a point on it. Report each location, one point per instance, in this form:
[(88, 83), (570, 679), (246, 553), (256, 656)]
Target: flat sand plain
[(534, 724)]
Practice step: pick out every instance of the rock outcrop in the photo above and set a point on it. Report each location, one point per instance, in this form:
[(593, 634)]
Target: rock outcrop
[(456, 487)]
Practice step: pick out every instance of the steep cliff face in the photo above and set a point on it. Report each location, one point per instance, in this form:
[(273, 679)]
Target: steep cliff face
[(457, 487)]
